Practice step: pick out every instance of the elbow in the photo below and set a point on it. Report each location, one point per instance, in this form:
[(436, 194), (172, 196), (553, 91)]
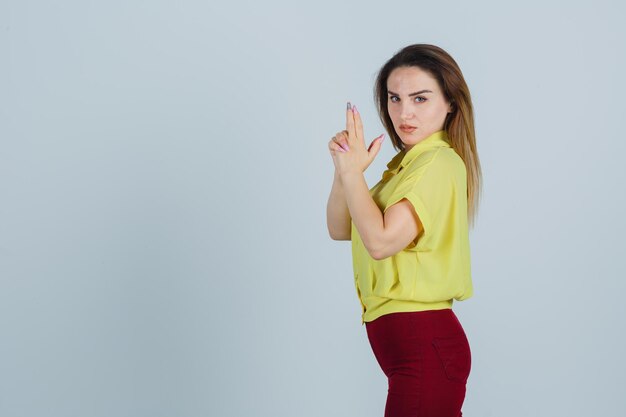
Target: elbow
[(339, 237), (377, 252), (374, 249), (378, 255), (383, 252), (380, 250), (336, 235)]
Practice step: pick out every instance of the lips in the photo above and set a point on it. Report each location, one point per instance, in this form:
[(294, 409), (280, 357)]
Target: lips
[(407, 128)]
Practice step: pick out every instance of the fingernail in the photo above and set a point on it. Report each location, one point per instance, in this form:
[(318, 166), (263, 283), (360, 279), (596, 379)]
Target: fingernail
[(346, 148), (354, 110), (349, 106), (382, 137)]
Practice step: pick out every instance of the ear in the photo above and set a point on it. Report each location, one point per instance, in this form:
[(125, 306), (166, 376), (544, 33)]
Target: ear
[(451, 107)]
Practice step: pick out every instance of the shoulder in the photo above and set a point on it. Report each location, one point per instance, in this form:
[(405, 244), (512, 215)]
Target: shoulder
[(437, 168), (448, 158), (442, 159)]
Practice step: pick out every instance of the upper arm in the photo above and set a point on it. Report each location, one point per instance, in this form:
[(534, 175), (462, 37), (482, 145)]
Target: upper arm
[(402, 227), (421, 202)]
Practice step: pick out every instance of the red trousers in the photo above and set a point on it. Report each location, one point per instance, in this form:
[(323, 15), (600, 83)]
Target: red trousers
[(426, 358)]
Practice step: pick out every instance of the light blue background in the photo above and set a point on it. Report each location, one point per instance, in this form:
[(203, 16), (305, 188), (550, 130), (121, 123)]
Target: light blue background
[(164, 174)]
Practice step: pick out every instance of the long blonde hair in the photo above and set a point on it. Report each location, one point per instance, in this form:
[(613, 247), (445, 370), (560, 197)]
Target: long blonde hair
[(459, 124)]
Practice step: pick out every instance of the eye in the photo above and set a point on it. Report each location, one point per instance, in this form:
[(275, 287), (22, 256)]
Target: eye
[(394, 99), (420, 98)]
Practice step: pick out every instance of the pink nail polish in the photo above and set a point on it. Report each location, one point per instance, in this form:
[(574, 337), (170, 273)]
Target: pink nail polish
[(354, 109)]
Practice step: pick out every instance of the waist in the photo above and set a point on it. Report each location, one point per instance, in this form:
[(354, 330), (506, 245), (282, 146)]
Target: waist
[(378, 306)]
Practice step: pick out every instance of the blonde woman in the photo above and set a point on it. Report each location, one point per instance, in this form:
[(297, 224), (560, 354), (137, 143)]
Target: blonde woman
[(410, 232)]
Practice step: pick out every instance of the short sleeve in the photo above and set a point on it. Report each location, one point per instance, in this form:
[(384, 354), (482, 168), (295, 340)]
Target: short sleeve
[(430, 188)]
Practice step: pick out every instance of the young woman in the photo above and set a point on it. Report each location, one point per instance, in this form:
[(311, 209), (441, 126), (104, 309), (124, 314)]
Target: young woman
[(409, 233)]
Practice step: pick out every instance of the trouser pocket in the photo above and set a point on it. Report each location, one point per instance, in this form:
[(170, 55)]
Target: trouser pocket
[(455, 356)]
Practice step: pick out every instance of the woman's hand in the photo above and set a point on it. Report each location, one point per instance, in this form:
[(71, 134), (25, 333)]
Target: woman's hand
[(347, 147)]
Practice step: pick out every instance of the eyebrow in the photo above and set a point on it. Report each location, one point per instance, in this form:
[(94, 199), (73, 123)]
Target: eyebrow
[(410, 95)]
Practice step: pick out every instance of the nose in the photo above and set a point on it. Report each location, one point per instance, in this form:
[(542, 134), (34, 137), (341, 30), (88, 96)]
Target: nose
[(407, 111)]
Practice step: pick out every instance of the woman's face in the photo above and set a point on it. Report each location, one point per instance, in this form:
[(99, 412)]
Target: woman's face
[(416, 104)]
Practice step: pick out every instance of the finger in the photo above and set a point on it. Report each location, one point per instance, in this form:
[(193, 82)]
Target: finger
[(339, 148), (350, 123), (343, 147), (334, 146), (358, 125), (342, 139), (375, 146)]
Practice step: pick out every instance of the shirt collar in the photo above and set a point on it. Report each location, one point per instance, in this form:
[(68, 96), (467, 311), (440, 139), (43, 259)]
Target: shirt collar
[(404, 157)]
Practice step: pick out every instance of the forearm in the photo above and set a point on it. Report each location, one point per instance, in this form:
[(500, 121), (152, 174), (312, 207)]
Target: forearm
[(338, 218), (367, 217)]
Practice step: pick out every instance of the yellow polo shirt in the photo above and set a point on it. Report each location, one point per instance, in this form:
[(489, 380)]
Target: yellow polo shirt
[(435, 269)]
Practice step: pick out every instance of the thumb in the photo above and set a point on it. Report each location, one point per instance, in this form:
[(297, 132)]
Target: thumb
[(375, 146)]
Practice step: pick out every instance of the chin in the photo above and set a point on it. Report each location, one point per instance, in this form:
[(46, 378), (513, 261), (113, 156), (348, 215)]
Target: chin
[(406, 138), (405, 143)]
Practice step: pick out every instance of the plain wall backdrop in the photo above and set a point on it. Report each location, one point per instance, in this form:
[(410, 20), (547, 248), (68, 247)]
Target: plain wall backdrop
[(164, 174)]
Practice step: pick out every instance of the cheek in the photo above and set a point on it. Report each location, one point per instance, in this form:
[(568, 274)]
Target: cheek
[(393, 113), (436, 113)]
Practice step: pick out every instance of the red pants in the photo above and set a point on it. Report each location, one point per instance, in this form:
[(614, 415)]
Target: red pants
[(426, 358)]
